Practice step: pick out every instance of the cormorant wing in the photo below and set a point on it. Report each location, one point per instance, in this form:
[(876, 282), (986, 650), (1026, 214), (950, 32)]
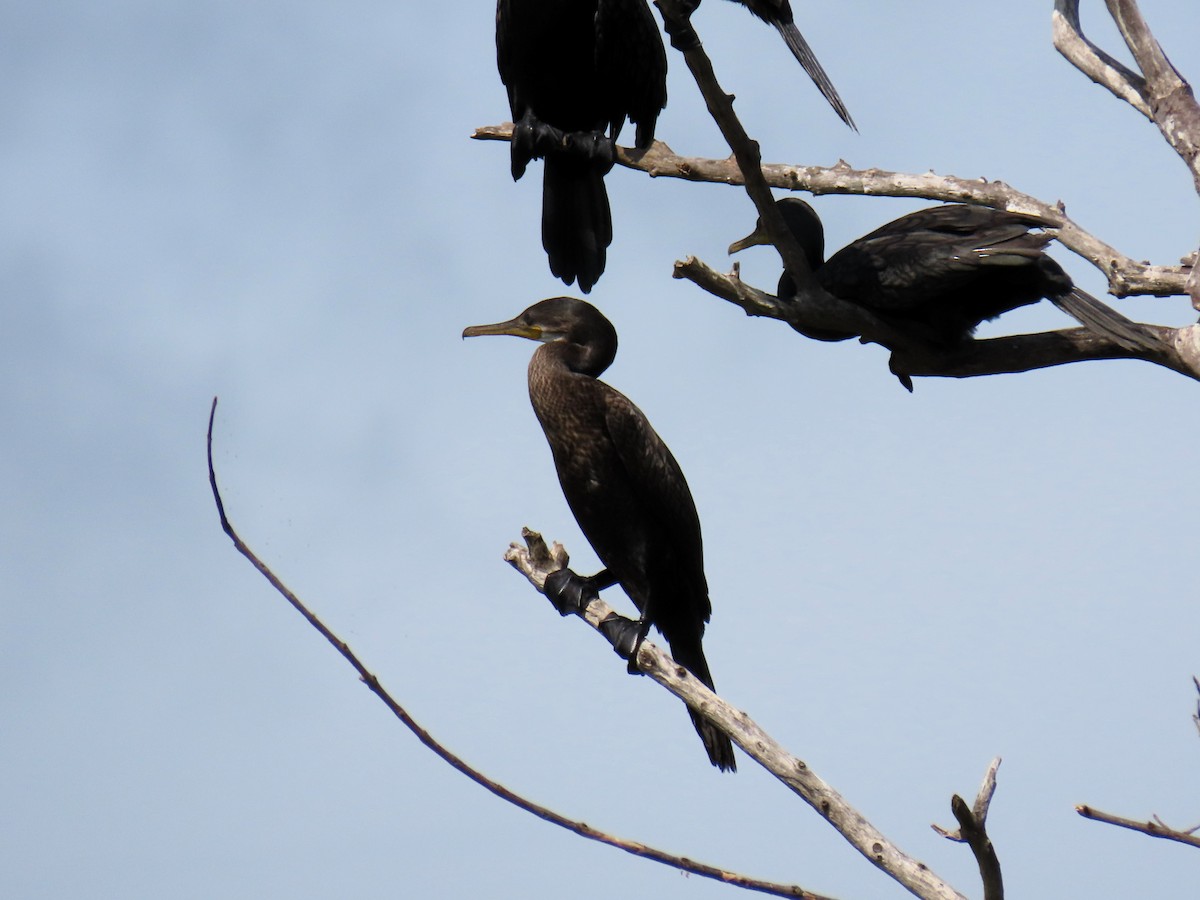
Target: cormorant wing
[(910, 260), (631, 66), (659, 483)]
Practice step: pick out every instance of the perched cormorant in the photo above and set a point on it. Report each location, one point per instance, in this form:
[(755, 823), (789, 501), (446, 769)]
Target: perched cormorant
[(578, 67), (779, 14), (625, 488), (939, 272)]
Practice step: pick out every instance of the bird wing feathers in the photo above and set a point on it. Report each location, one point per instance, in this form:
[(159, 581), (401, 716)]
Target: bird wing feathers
[(657, 479), (631, 60)]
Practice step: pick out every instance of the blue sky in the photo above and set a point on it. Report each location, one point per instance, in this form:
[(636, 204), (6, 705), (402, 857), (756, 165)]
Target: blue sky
[(279, 204)]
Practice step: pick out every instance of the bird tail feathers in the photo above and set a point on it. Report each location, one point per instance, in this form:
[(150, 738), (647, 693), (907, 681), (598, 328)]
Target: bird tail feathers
[(804, 55), (1105, 321), (690, 655), (576, 219)]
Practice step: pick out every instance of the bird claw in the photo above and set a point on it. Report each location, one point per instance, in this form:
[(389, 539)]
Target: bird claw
[(594, 146), (569, 593), (626, 637)]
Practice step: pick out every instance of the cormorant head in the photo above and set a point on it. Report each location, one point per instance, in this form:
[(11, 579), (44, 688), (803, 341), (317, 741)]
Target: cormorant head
[(590, 339), (804, 224)]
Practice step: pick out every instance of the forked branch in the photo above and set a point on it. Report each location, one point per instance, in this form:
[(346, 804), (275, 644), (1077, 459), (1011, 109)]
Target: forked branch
[(972, 831), (1159, 92)]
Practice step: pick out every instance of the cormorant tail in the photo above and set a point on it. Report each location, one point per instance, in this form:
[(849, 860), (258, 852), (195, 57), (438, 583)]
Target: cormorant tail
[(576, 220), (690, 654), (804, 55), (1105, 321)]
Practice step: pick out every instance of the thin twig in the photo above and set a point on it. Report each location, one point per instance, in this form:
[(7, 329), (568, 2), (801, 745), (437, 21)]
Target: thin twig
[(1154, 828), (542, 812)]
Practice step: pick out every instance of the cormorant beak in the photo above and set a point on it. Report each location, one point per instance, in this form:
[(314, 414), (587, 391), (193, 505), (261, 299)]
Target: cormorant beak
[(515, 327), (756, 238)]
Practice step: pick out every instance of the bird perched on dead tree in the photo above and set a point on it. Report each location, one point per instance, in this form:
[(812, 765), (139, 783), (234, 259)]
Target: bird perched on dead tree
[(937, 273), (623, 485), (574, 71)]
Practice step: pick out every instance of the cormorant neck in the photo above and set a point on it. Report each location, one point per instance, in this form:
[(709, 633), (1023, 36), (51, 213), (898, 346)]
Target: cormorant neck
[(589, 359)]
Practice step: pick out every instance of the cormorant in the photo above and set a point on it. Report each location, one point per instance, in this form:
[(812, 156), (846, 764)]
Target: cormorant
[(624, 487), (939, 272), (779, 14), (574, 68)]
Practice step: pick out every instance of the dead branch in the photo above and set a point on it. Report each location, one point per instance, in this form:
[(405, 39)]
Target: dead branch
[(372, 682), (1160, 93), (1154, 827), (1104, 70), (533, 561), (972, 831), (746, 154), (1126, 276)]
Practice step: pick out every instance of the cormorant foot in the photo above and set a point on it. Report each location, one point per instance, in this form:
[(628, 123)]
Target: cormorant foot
[(534, 139), (569, 593), (594, 146), (625, 636), (521, 148)]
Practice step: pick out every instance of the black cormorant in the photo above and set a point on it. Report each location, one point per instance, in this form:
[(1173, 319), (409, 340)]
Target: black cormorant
[(779, 14), (625, 488), (578, 67), (939, 272)]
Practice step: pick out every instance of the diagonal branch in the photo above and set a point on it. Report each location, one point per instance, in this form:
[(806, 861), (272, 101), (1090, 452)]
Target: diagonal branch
[(535, 563), (746, 154), (1171, 100), (1126, 276), (372, 682)]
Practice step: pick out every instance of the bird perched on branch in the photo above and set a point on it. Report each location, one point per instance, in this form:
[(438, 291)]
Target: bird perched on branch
[(937, 273), (575, 70), (624, 487)]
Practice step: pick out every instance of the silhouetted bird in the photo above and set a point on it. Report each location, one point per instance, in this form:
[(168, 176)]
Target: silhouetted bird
[(938, 273), (625, 488), (573, 69)]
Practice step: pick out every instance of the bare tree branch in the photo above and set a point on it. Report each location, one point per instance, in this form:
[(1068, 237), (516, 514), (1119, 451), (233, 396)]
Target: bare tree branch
[(1154, 827), (1126, 276), (1171, 99), (1160, 93), (746, 154), (1178, 348), (533, 561), (372, 682), (1070, 41), (972, 831)]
